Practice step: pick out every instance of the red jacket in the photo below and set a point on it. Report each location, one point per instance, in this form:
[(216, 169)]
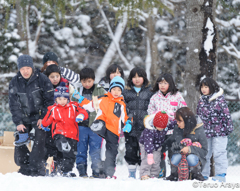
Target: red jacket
[(63, 119)]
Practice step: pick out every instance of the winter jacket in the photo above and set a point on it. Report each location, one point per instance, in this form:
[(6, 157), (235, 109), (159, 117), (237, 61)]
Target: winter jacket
[(29, 99), (96, 90), (111, 110), (104, 84), (137, 105), (214, 113), (71, 76), (151, 138), (169, 103), (63, 119)]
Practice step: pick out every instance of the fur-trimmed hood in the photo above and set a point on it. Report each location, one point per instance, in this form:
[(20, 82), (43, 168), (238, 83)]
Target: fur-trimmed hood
[(216, 95)]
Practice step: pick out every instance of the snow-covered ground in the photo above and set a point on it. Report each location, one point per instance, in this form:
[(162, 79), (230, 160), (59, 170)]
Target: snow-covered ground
[(18, 182)]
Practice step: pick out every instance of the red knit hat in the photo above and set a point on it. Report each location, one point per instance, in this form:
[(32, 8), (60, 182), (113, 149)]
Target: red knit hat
[(160, 120)]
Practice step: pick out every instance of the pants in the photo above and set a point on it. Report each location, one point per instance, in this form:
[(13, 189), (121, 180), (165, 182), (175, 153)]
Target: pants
[(191, 159), (217, 146), (150, 170), (132, 155), (68, 158), (91, 139), (35, 158)]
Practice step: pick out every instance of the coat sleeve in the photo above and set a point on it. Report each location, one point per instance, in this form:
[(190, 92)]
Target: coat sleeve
[(14, 105), (151, 107), (48, 119), (87, 105), (181, 101), (148, 141), (124, 116), (69, 75)]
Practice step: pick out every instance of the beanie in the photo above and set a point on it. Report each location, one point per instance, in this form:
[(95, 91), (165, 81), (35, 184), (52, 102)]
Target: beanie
[(52, 68), (160, 120), (50, 56), (61, 91), (24, 61), (117, 81)]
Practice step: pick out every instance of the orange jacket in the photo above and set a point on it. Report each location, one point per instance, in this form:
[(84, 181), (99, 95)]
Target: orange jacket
[(112, 111)]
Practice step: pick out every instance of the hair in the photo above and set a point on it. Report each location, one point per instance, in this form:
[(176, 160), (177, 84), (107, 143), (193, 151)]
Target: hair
[(45, 66), (188, 118), (169, 79), (87, 73), (112, 69), (212, 84), (140, 72)]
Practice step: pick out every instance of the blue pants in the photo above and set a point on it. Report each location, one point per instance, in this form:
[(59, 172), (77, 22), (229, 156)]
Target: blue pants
[(191, 159), (87, 137)]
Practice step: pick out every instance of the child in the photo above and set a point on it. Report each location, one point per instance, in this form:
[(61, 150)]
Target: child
[(63, 116), (213, 110), (137, 96), (110, 118), (150, 142), (87, 138), (111, 72), (166, 98)]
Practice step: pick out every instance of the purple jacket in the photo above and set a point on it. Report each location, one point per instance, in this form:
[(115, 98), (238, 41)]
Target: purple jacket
[(214, 112)]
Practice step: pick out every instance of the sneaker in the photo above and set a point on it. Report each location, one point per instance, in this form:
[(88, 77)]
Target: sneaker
[(145, 177), (205, 177), (220, 177)]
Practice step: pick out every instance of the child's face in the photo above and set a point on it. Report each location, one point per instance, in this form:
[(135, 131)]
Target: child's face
[(205, 90), (61, 101), (50, 63), (87, 83), (137, 81), (180, 123), (117, 73), (55, 78), (163, 86), (116, 92)]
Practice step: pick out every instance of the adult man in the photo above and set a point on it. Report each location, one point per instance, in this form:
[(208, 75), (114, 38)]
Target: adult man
[(30, 93)]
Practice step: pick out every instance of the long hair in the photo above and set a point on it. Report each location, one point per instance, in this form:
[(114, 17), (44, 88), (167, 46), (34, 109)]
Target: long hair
[(169, 79), (211, 83), (112, 69), (188, 118), (140, 72)]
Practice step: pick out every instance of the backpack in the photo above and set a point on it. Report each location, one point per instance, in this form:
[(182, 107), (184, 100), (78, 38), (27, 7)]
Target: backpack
[(183, 172)]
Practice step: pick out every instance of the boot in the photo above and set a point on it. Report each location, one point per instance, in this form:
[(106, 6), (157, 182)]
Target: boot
[(94, 174), (220, 177), (21, 138), (82, 169), (174, 173), (24, 170), (197, 172), (132, 171)]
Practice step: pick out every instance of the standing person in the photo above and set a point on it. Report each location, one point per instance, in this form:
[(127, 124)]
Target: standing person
[(63, 116), (187, 128), (111, 116), (137, 96), (213, 110), (30, 93), (87, 138), (166, 98), (51, 58)]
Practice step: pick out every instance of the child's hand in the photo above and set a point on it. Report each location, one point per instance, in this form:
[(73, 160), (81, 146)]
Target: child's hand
[(128, 127), (79, 118), (150, 159), (45, 128), (78, 96)]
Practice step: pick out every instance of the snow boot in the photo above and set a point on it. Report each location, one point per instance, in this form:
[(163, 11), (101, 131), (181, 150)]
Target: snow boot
[(197, 172), (94, 174), (21, 138), (132, 171), (174, 173), (220, 177), (82, 169)]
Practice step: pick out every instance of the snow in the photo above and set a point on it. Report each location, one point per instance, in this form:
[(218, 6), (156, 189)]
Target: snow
[(12, 58), (195, 50), (163, 25), (208, 42), (11, 74)]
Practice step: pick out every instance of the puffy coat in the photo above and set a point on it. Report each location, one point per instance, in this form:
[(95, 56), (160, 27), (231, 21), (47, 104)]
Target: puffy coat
[(137, 105), (29, 99), (63, 119), (214, 112)]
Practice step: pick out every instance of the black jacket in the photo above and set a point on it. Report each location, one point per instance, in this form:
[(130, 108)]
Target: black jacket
[(29, 99), (137, 105)]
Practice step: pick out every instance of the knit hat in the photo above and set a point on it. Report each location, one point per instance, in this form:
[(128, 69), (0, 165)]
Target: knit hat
[(52, 68), (61, 91), (160, 120), (24, 60), (50, 56), (117, 81)]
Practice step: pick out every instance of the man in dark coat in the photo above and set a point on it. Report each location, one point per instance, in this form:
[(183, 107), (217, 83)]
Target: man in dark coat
[(30, 93)]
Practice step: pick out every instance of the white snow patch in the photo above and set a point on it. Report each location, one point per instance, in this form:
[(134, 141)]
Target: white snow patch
[(162, 24), (195, 50), (11, 74), (12, 58), (208, 42)]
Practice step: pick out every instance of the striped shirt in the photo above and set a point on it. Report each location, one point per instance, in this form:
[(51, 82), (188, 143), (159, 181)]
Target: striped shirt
[(69, 75)]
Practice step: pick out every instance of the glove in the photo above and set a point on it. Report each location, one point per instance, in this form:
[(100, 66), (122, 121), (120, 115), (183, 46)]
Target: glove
[(128, 127), (45, 128), (150, 159), (78, 96), (79, 118), (176, 148)]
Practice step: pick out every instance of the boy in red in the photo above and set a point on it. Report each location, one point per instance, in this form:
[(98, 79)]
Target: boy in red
[(64, 117)]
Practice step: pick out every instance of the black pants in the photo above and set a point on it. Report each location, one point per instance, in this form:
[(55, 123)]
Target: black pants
[(35, 158), (132, 155)]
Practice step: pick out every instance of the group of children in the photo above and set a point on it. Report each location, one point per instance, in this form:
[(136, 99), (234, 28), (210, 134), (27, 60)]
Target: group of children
[(78, 121)]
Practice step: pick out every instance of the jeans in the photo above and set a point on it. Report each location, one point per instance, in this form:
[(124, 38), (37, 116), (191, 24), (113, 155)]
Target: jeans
[(191, 159)]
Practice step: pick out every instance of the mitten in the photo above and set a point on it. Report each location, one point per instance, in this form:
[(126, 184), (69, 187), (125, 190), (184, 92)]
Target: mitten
[(150, 159), (45, 128), (79, 118), (128, 127), (176, 148), (78, 96)]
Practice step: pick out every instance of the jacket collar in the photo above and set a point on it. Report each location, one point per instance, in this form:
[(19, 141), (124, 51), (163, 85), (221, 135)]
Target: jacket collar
[(160, 94), (213, 96), (148, 122)]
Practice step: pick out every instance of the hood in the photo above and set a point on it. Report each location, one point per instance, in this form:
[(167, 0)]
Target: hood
[(148, 122), (216, 95)]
